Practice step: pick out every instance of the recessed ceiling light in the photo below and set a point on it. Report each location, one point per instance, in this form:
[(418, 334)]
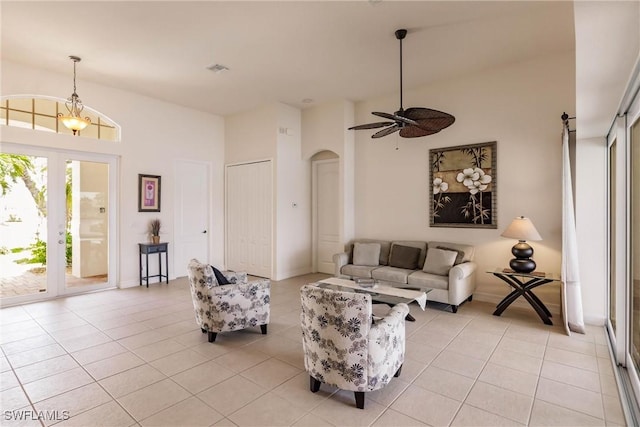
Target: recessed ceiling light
[(307, 101), (218, 68)]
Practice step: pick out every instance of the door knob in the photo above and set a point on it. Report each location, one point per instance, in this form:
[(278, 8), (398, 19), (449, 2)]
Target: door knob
[(204, 232), (61, 241)]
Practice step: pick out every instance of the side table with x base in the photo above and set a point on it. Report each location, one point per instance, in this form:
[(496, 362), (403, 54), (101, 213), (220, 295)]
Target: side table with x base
[(523, 285)]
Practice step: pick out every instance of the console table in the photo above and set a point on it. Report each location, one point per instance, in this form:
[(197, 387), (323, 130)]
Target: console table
[(154, 248), (522, 284)]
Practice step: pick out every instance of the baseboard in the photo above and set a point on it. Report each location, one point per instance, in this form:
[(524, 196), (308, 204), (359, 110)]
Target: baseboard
[(494, 299), (293, 273)]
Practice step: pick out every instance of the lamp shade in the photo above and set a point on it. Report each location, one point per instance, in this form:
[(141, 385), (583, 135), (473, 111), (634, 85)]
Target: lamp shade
[(521, 228)]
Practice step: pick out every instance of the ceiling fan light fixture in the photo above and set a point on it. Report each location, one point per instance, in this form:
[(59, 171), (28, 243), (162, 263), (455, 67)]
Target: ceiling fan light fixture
[(413, 122), (218, 68), (74, 120)]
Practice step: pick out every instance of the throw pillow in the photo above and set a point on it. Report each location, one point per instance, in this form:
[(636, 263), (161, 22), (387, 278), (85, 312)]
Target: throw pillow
[(439, 261), (366, 254), (459, 256), (404, 257), (220, 278)]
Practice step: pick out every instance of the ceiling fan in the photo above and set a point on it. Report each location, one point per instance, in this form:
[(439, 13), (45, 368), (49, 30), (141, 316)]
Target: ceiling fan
[(412, 122)]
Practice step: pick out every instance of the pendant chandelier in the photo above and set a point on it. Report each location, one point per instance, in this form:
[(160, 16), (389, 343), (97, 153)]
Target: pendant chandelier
[(73, 120)]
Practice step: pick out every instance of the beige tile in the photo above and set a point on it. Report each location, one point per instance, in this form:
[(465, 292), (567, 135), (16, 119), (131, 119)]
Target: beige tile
[(126, 331), (64, 324), (8, 380), (547, 414), (569, 375), (528, 348), (98, 352), (570, 397), (499, 401), (240, 360), (140, 340), (436, 339), (231, 395), (270, 373), (609, 386), (107, 415), (386, 395), (605, 367), (391, 418), (537, 335), (516, 360), (310, 420), (421, 352), (80, 343), (267, 410), (178, 362), (569, 343), (28, 357), (273, 345), (477, 350), (612, 410), (75, 401), (207, 349), (426, 406), (202, 377), (340, 409), (510, 379), (225, 422), (189, 412), (56, 384), (145, 402), (571, 358), (132, 380), (296, 390), (113, 365), (158, 350), (27, 344), (447, 383), (470, 416), (459, 363), (13, 398), (45, 368), (4, 364)]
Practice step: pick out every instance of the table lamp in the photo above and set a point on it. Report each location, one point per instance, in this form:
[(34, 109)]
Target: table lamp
[(522, 228)]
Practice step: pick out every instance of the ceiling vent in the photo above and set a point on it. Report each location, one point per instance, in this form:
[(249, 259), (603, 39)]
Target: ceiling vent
[(218, 68)]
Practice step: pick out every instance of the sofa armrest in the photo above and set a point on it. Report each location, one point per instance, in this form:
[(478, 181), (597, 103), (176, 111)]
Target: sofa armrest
[(462, 282), (339, 261), (236, 276), (261, 287)]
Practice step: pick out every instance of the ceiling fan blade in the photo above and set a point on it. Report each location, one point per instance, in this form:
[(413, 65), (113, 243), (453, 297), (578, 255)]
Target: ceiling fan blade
[(387, 131), (371, 125), (415, 132), (429, 119), (396, 117)]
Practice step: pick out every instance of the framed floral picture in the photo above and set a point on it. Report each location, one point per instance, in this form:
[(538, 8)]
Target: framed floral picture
[(148, 193), (463, 186)]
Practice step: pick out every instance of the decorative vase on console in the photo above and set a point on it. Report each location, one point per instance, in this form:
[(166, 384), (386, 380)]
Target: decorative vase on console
[(154, 229)]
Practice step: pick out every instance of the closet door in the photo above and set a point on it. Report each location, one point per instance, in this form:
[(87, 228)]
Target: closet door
[(249, 218)]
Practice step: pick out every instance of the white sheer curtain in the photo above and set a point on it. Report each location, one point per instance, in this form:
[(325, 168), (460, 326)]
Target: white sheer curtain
[(571, 291)]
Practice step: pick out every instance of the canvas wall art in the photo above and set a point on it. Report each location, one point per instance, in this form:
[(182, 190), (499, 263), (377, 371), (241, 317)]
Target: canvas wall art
[(463, 186)]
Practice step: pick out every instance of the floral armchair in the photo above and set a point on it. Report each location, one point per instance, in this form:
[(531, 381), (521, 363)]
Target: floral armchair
[(344, 346), (221, 308)]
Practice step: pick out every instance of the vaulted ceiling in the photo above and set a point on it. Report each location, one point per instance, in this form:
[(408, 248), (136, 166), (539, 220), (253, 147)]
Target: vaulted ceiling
[(277, 51)]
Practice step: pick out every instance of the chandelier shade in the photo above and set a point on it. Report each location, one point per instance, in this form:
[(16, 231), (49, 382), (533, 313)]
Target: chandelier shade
[(74, 120)]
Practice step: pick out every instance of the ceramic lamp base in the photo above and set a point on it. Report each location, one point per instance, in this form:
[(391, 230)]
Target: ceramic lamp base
[(522, 263)]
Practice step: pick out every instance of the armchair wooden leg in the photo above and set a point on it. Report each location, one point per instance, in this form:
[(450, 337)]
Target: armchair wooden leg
[(397, 374), (314, 384), (263, 328), (204, 331), (359, 399), (212, 336)]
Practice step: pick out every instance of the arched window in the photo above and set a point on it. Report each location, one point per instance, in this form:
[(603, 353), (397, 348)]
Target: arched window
[(41, 113)]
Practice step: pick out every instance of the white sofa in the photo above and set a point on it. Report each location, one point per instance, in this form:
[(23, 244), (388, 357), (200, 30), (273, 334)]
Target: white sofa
[(401, 267)]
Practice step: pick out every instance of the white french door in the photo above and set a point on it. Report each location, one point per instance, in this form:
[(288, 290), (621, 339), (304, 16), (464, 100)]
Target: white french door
[(58, 217), (326, 218)]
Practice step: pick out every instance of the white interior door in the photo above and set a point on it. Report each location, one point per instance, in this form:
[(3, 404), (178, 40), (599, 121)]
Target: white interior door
[(249, 217), (326, 218), (191, 214)]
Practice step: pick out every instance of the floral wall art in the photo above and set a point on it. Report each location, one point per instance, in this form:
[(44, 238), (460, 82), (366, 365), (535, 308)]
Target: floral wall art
[(463, 182)]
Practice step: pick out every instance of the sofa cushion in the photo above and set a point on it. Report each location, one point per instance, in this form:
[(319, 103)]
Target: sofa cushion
[(404, 257), (459, 254), (423, 280), (385, 246), (467, 249), (357, 270), (366, 254), (439, 261), (414, 244), (391, 274)]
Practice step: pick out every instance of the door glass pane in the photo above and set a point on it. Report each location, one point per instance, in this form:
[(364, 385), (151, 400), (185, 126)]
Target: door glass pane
[(634, 294), (612, 234), (87, 225), (23, 225)]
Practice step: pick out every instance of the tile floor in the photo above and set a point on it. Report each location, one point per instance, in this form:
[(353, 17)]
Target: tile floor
[(135, 357)]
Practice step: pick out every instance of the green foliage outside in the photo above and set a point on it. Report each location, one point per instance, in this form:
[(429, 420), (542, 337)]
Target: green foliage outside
[(39, 252)]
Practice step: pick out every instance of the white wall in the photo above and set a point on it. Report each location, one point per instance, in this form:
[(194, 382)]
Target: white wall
[(519, 106), (154, 133), (274, 132)]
